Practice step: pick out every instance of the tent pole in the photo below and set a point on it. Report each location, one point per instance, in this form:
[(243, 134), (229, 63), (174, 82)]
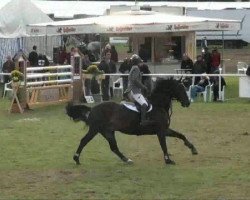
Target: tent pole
[(222, 65), (153, 49), (222, 54), (46, 43), (100, 38)]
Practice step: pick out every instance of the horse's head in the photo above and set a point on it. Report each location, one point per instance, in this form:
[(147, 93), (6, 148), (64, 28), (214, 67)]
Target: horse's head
[(77, 112), (174, 89), (180, 94)]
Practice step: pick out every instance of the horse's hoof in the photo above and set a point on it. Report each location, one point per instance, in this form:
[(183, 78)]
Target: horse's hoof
[(169, 162), (76, 159), (194, 151), (129, 161)]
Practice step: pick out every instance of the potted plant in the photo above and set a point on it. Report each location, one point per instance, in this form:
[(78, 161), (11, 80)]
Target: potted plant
[(16, 77)]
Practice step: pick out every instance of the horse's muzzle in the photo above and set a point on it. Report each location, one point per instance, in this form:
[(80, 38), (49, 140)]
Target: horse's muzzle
[(186, 104)]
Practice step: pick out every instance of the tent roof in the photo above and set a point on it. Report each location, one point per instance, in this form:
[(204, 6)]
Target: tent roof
[(16, 14), (61, 8), (133, 22)]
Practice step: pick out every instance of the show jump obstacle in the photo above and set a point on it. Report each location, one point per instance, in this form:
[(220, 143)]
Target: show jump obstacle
[(48, 85), (52, 84)]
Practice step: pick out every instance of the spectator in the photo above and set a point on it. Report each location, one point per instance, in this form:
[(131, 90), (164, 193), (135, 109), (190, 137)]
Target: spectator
[(108, 66), (199, 68), (70, 54), (200, 86), (42, 60), (215, 81), (143, 53), (204, 43), (206, 55), (8, 67), (248, 71), (33, 57), (187, 63), (125, 68), (215, 60), (62, 56), (114, 54), (85, 64), (106, 48)]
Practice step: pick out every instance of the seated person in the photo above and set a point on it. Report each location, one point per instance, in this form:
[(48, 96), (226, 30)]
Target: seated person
[(187, 81), (187, 63), (8, 67), (199, 87), (215, 81), (199, 68)]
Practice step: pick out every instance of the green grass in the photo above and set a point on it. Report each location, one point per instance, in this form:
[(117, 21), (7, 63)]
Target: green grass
[(37, 147)]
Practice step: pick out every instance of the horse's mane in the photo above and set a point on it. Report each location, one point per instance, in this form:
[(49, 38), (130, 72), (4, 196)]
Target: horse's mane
[(164, 86), (162, 93)]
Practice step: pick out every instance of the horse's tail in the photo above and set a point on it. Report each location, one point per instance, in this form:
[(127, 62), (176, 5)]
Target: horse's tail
[(78, 112)]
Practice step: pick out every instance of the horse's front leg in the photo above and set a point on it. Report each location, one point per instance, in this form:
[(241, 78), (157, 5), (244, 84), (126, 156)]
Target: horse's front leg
[(162, 139), (172, 133), (84, 141)]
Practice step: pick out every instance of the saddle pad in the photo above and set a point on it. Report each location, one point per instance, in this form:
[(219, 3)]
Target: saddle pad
[(131, 106)]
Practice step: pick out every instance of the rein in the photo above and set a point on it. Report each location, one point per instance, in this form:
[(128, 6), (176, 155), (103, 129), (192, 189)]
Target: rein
[(170, 110)]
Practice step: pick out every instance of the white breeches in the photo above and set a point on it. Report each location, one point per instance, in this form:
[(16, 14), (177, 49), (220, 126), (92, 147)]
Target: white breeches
[(139, 98)]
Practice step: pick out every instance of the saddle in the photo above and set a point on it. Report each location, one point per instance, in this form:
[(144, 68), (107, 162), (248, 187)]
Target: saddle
[(135, 106)]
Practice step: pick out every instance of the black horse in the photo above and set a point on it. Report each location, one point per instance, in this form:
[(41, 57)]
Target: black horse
[(108, 117)]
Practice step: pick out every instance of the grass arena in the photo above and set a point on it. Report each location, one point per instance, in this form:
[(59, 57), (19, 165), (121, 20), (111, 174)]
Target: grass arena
[(37, 149)]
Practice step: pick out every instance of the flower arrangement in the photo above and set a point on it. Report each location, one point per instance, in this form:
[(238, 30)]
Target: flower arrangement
[(93, 69), (95, 75), (16, 76)]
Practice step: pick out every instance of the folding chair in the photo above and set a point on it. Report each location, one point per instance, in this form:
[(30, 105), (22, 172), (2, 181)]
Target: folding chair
[(7, 88)]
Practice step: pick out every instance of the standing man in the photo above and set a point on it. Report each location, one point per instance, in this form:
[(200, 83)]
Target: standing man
[(33, 57), (108, 66), (8, 67), (216, 60), (203, 43), (85, 64), (114, 54), (206, 55)]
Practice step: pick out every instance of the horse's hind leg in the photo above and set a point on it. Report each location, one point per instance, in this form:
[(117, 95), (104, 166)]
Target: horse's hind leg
[(110, 137), (173, 133), (84, 141)]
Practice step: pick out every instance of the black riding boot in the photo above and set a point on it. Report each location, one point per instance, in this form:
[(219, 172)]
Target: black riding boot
[(143, 115)]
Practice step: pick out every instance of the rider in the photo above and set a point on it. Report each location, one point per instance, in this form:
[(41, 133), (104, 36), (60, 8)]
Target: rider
[(135, 86)]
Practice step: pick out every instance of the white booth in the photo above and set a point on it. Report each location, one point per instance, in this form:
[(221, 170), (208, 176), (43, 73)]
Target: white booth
[(244, 86)]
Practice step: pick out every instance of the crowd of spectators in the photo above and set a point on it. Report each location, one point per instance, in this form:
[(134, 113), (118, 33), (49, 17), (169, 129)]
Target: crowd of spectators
[(206, 63)]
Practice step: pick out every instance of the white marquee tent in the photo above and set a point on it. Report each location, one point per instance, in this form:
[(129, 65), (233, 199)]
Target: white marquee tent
[(139, 24), (133, 22), (14, 17)]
